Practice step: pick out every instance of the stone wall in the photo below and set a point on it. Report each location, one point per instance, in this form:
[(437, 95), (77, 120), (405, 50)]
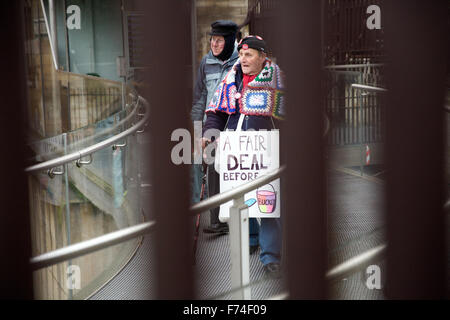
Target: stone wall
[(209, 11)]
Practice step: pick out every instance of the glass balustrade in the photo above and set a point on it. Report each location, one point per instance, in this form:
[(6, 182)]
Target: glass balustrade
[(85, 199), (81, 277), (67, 113)]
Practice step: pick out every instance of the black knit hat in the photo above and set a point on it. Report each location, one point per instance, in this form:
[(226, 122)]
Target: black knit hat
[(223, 28), (254, 42)]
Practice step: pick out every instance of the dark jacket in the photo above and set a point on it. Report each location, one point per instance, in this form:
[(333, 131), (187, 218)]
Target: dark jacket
[(210, 72)]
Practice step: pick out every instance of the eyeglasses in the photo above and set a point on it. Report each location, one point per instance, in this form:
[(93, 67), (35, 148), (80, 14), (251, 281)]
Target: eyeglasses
[(218, 41)]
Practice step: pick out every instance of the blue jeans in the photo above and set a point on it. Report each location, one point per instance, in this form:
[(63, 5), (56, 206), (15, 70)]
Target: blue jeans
[(268, 236)]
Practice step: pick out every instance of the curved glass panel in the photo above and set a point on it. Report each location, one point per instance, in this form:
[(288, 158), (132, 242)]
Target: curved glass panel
[(90, 200), (69, 112), (96, 108), (81, 277)]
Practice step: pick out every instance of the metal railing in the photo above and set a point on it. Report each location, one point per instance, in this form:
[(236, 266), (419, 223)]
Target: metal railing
[(55, 62), (368, 88), (240, 279), (112, 238), (241, 284), (57, 149), (84, 247), (88, 246), (374, 253), (238, 216), (348, 267), (356, 116), (75, 156)]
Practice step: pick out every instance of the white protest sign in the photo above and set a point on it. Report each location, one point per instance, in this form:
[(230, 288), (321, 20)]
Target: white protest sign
[(245, 156)]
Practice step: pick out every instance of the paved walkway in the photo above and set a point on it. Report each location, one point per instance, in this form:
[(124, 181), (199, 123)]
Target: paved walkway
[(355, 225)]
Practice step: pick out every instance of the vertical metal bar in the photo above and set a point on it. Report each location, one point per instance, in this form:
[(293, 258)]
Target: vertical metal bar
[(90, 104), (167, 58), (89, 96), (98, 96), (304, 218), (239, 247), (66, 36), (69, 112), (82, 107), (66, 178), (416, 34), (365, 110), (375, 107), (382, 117), (347, 103), (97, 113), (368, 108), (41, 66), (341, 108), (371, 106), (53, 31), (15, 238), (111, 100), (107, 93), (78, 106), (360, 134), (101, 96), (55, 61), (123, 92), (70, 98), (353, 112), (91, 99), (82, 103)]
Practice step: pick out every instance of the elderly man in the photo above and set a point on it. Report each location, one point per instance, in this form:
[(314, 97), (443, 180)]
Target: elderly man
[(237, 102), (213, 68)]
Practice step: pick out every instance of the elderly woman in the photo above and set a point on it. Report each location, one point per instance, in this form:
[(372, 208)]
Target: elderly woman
[(213, 68)]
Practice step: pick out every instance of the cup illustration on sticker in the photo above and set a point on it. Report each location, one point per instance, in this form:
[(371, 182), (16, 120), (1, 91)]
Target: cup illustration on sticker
[(267, 199)]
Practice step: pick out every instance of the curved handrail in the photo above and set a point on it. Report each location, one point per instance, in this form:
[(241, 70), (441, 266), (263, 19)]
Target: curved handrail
[(103, 132), (91, 149), (338, 272), (353, 66), (76, 250), (368, 88), (356, 263), (92, 245), (379, 89)]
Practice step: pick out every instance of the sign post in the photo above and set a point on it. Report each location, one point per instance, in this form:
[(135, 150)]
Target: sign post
[(239, 248)]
